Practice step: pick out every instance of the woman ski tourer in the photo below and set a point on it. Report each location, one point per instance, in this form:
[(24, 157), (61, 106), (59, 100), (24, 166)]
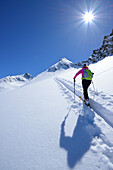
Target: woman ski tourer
[(86, 81)]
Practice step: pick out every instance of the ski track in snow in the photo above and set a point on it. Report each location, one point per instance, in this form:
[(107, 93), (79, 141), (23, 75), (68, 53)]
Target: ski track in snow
[(93, 134), (107, 115)]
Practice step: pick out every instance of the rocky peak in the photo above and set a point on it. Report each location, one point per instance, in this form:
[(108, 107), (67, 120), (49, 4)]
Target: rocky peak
[(62, 64), (105, 50), (19, 78)]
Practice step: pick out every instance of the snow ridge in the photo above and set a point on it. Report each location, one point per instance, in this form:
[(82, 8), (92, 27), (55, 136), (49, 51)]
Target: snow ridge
[(62, 64), (12, 82), (20, 78), (105, 50)]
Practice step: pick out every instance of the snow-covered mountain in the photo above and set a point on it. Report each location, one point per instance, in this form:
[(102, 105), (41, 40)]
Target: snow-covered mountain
[(105, 50), (11, 82), (19, 78), (62, 64), (42, 128)]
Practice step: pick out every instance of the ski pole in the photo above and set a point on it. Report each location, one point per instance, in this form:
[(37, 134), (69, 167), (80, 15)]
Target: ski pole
[(74, 90), (93, 87)]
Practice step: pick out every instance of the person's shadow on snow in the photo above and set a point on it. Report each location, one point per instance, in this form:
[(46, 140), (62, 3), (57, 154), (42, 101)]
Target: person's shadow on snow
[(80, 142)]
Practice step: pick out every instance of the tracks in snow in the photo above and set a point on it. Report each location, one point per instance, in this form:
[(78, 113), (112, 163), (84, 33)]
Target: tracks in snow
[(96, 107)]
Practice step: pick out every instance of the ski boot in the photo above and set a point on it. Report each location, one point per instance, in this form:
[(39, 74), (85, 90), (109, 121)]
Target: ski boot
[(86, 101)]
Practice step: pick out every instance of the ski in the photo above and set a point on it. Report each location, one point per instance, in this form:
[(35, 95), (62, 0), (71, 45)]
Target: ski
[(88, 105)]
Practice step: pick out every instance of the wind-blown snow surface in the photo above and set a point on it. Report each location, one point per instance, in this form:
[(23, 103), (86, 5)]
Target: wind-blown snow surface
[(42, 129)]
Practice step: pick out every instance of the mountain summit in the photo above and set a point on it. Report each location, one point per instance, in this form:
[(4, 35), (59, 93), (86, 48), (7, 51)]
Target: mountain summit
[(19, 78), (11, 82), (62, 64)]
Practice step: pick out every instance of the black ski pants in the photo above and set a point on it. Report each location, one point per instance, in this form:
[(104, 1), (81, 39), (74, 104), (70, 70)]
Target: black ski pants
[(85, 85)]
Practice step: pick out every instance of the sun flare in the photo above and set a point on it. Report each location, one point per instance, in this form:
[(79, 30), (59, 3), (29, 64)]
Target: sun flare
[(88, 17)]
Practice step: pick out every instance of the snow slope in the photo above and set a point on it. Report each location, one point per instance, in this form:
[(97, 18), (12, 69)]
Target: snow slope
[(43, 129)]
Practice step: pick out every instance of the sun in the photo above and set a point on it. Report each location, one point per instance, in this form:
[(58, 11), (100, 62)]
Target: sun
[(88, 17)]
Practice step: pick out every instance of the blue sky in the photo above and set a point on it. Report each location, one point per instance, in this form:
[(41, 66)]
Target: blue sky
[(35, 34)]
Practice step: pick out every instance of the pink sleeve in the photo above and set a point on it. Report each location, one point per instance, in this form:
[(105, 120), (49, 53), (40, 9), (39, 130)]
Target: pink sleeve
[(79, 72)]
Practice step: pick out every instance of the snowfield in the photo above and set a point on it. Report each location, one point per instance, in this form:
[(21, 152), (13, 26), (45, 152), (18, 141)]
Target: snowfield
[(42, 128)]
